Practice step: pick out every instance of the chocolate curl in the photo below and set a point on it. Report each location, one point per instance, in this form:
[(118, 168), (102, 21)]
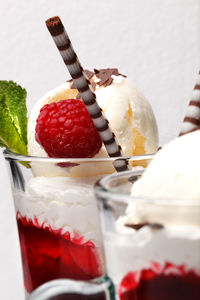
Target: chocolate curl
[(84, 87), (191, 121)]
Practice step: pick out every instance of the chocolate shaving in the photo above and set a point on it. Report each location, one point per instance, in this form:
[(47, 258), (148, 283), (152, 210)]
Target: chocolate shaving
[(109, 81), (154, 226), (93, 84), (137, 226), (104, 76), (115, 72), (89, 74), (122, 75)]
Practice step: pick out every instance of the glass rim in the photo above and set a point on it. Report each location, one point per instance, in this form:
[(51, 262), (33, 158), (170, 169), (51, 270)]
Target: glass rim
[(103, 192), (57, 287), (8, 154)]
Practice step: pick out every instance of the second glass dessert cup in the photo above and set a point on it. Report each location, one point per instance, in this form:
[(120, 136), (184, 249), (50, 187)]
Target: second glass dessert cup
[(154, 253), (57, 216)]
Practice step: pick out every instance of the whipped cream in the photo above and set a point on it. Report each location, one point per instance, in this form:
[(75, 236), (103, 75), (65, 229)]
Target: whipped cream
[(138, 250), (61, 203)]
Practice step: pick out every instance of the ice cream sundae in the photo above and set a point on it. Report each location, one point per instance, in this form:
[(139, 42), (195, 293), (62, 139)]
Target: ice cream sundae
[(66, 209), (57, 216), (165, 231), (152, 235)]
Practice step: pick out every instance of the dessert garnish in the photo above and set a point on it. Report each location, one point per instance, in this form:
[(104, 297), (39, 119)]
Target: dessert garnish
[(166, 282), (153, 226), (65, 129), (13, 117), (84, 87), (105, 75), (104, 78), (191, 121)]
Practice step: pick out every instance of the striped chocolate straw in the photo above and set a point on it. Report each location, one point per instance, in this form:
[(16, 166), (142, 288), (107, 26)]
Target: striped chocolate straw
[(191, 121), (85, 89)]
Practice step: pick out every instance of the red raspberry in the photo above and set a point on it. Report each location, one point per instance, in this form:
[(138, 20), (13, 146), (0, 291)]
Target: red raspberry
[(65, 129)]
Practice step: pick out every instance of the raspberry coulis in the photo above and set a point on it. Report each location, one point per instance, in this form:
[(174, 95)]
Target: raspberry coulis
[(170, 282), (49, 254), (100, 296)]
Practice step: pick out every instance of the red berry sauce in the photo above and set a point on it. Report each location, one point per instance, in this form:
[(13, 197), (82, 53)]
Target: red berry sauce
[(100, 296), (168, 283), (48, 254)]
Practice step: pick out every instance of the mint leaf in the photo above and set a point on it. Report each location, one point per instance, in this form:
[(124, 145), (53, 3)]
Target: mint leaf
[(13, 117), (2, 145)]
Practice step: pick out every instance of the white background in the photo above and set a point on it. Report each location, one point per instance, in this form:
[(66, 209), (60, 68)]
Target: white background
[(155, 43)]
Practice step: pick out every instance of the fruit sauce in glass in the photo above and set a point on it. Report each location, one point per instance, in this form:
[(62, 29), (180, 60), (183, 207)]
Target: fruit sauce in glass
[(48, 254), (100, 296), (172, 283)]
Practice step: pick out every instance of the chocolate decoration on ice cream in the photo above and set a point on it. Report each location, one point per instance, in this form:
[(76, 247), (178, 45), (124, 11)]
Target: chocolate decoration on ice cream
[(153, 226), (191, 121), (84, 87), (89, 74), (104, 77)]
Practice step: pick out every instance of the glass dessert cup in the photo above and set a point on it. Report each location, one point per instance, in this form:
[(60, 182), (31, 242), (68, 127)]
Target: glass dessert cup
[(156, 258), (57, 216)]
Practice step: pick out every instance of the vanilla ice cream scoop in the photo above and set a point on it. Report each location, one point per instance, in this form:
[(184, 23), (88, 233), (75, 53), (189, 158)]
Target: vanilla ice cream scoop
[(174, 171), (169, 188)]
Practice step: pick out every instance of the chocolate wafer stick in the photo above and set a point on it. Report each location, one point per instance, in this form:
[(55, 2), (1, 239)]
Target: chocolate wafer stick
[(191, 121), (85, 89)]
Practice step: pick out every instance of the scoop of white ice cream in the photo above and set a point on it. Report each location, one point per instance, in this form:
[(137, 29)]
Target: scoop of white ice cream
[(174, 171), (130, 116), (129, 113), (168, 183)]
